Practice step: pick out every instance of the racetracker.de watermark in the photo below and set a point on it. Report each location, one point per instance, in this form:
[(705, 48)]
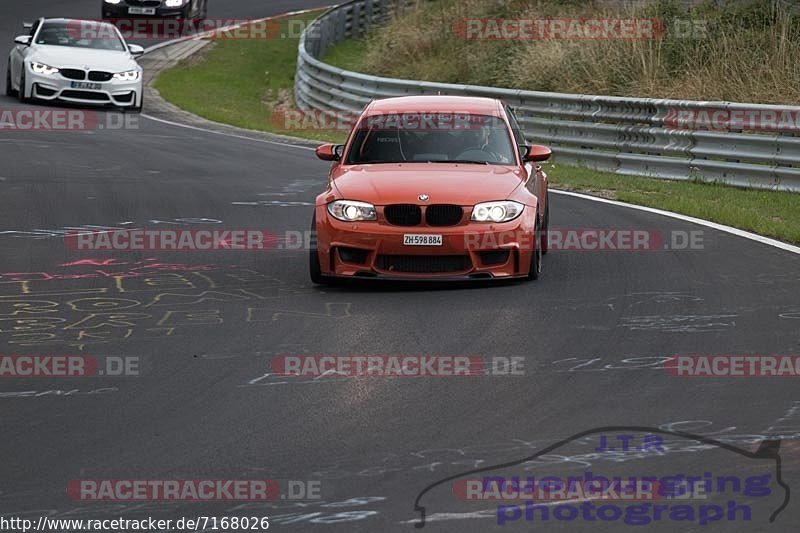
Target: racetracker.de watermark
[(193, 490), (396, 366), (734, 366), (330, 121), (37, 119), (551, 488), (66, 366), (769, 119), (210, 28), (170, 240), (577, 29), (590, 240)]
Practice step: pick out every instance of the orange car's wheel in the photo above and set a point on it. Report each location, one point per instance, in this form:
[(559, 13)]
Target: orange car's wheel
[(314, 269), (536, 255), (545, 228)]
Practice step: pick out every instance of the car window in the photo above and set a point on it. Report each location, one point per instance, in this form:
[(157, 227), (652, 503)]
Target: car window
[(80, 34), (519, 135), (431, 137)]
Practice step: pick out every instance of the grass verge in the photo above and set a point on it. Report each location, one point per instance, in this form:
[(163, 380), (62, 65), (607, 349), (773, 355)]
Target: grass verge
[(740, 51), (244, 83), (770, 213)]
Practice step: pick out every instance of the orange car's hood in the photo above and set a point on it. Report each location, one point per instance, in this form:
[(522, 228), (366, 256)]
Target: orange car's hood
[(444, 183)]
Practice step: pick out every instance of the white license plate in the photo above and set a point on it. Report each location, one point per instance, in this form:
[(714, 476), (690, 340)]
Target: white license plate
[(424, 239), (85, 85), (142, 10)]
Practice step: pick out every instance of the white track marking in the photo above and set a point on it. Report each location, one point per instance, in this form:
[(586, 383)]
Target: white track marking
[(721, 227), (234, 135)]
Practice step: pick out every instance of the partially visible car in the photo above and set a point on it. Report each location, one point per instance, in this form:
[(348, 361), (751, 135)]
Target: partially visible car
[(78, 61), (183, 9)]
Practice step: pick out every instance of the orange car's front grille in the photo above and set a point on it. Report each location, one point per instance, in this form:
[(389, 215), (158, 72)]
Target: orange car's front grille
[(436, 215), (403, 214), (423, 264), (443, 215)]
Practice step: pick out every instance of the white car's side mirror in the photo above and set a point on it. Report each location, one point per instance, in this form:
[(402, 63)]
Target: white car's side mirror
[(22, 39), (135, 49), (27, 25)]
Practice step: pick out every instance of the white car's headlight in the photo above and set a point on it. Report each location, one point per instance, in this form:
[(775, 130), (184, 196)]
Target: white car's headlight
[(131, 75), (175, 3), (496, 211), (41, 68), (352, 211)]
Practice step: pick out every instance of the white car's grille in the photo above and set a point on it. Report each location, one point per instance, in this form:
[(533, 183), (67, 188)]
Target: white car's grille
[(73, 74), (98, 75)]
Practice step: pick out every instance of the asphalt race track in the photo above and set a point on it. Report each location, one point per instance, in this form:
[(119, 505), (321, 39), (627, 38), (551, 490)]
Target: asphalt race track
[(594, 332)]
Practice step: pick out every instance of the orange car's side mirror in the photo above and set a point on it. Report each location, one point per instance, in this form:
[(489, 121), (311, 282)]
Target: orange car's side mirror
[(329, 152), (537, 152)]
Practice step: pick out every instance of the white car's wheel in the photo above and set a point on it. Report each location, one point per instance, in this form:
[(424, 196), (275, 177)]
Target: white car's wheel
[(9, 88), (21, 92)]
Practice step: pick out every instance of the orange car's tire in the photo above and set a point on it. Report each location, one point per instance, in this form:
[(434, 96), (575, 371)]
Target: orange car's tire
[(536, 256), (545, 228), (314, 270)]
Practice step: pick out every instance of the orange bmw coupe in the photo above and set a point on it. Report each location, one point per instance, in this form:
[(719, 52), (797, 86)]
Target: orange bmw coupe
[(432, 188)]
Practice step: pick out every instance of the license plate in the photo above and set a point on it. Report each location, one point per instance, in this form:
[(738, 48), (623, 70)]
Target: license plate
[(425, 239), (85, 85), (142, 10)]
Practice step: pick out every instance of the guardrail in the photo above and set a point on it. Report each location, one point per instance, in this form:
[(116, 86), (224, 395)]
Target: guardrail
[(636, 136)]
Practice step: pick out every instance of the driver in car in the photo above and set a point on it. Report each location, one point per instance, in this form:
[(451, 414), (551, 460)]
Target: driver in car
[(484, 138)]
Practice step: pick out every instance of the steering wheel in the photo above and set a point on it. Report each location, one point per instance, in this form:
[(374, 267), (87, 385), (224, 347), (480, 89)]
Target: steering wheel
[(477, 154)]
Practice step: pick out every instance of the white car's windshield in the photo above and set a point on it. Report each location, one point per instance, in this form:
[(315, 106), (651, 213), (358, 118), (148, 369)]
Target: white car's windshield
[(80, 34)]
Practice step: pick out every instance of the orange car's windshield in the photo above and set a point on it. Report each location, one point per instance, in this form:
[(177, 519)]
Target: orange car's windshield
[(431, 138)]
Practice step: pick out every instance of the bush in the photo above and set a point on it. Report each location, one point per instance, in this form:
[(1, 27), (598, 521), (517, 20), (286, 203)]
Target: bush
[(743, 51)]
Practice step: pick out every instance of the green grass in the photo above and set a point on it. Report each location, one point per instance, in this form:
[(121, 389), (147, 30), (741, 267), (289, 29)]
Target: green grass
[(769, 213), (246, 83), (243, 82), (348, 54), (744, 52)]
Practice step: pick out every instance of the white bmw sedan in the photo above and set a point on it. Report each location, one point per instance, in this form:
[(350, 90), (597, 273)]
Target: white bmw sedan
[(80, 61)]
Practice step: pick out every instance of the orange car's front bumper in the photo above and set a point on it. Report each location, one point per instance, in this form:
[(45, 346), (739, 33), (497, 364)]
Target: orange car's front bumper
[(468, 251)]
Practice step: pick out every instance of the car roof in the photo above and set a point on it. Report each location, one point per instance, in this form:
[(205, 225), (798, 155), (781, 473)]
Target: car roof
[(436, 104), (61, 19)]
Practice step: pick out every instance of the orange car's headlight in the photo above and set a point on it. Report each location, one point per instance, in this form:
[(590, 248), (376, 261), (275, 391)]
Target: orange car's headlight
[(496, 211), (352, 211)]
